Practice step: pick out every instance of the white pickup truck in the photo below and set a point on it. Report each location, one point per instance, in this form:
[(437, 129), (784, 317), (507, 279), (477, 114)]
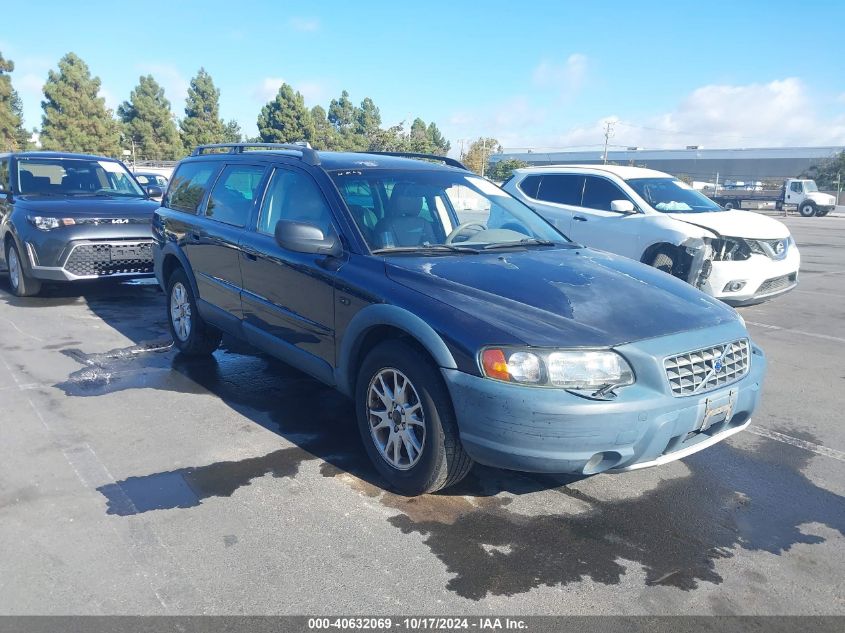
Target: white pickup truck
[(796, 193), (738, 256)]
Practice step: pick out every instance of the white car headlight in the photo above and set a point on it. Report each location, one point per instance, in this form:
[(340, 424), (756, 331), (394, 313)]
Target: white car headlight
[(569, 369), (46, 223)]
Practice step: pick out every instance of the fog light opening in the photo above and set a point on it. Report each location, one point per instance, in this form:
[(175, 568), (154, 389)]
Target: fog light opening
[(601, 462), (734, 286)]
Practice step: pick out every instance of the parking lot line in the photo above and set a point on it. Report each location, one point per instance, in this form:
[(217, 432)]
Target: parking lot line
[(826, 337), (818, 449)]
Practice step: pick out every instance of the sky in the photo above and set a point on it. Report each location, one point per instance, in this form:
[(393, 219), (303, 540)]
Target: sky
[(533, 74)]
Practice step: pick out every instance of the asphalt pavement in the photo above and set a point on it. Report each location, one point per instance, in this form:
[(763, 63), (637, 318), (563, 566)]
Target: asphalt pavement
[(134, 481)]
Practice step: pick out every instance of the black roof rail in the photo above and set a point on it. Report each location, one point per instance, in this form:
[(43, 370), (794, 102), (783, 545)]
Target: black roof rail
[(443, 159), (308, 154)]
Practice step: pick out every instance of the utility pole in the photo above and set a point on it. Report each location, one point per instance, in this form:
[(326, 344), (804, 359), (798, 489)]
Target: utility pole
[(608, 132), (483, 150), (838, 186)]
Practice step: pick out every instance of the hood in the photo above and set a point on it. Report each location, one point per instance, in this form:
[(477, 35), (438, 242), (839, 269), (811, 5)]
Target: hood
[(824, 199), (89, 207), (562, 297), (735, 223)]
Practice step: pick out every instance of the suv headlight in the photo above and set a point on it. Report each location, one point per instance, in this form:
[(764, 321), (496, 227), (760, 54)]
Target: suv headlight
[(569, 369), (46, 223)]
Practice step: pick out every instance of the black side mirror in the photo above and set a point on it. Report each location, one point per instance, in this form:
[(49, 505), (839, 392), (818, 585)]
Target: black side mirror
[(302, 237), (154, 191)]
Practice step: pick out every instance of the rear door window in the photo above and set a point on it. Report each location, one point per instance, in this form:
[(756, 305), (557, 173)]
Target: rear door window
[(190, 182), (562, 189), (234, 194), (4, 174), (600, 192)]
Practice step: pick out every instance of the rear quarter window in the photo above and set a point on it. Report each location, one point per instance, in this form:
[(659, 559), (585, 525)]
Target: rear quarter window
[(189, 185), (530, 185)]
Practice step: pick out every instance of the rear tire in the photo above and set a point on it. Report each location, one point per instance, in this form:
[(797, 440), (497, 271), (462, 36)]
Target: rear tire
[(190, 333), (22, 285), (400, 393), (822, 212), (807, 209), (664, 261)]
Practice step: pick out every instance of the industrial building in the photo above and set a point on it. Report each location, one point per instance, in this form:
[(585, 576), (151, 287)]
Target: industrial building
[(697, 163)]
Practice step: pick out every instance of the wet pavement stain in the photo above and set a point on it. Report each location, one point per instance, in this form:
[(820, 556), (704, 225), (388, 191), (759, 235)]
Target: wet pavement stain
[(188, 487), (734, 499)]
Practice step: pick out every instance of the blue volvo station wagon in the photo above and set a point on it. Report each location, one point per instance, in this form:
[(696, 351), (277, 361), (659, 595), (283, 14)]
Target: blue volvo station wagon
[(464, 327)]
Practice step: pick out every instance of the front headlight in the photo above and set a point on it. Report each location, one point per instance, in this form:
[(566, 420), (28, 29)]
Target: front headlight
[(46, 223), (569, 369)]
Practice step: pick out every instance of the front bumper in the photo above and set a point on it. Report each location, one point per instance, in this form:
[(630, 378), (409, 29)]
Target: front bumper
[(553, 431), (764, 278), (94, 259)]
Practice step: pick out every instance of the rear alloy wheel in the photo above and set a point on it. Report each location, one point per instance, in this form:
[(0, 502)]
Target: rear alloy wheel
[(807, 209), (406, 420), (22, 285), (190, 333)]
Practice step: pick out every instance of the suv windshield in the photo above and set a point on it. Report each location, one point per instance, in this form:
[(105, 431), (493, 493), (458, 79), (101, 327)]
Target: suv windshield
[(672, 196), (439, 210), (75, 177)]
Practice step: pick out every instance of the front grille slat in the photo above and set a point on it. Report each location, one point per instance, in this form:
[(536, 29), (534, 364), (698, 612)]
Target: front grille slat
[(693, 372), (103, 260), (775, 284)]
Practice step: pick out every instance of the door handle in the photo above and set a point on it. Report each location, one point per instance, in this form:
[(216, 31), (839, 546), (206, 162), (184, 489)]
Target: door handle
[(580, 218), (250, 256), (193, 236)]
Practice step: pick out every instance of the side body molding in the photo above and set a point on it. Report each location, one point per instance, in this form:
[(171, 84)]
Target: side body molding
[(381, 314)]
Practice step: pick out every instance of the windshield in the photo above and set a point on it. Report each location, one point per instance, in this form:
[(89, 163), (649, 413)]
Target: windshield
[(75, 177), (810, 186), (672, 196), (407, 210)]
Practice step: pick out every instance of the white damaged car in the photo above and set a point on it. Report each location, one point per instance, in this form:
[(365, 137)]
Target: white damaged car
[(740, 257)]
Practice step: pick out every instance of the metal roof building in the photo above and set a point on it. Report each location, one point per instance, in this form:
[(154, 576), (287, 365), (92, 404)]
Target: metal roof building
[(752, 164)]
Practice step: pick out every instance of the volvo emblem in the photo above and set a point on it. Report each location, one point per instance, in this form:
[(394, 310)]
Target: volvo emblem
[(717, 363)]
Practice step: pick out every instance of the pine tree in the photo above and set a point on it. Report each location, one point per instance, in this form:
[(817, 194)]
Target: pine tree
[(367, 120), (323, 130), (285, 119), (439, 145), (75, 117), (13, 136), (232, 132), (202, 124), (148, 123)]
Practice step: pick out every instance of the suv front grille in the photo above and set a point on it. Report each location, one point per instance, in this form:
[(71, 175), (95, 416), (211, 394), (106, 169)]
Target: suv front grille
[(777, 283), (708, 368), (104, 260)]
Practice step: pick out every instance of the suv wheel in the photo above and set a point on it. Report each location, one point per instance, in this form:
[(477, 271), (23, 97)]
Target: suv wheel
[(807, 209), (22, 284), (664, 261), (407, 422), (191, 334)]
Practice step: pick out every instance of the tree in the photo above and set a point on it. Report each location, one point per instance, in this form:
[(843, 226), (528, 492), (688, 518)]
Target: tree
[(148, 123), (75, 117), (826, 173), (367, 119), (13, 136), (345, 119), (477, 157), (202, 124), (392, 139), (503, 169), (440, 145), (285, 119), (232, 132), (323, 130)]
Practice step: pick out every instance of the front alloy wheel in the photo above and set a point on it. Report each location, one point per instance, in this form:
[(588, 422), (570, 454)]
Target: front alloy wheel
[(180, 311), (396, 419)]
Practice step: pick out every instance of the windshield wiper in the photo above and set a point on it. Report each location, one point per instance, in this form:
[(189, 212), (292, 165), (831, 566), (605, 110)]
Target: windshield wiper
[(426, 248), (530, 241)]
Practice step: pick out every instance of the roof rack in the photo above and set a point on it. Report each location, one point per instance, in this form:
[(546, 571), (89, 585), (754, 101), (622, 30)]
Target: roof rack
[(443, 159), (308, 155)]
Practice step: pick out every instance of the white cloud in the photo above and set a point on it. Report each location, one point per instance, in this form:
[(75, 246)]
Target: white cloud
[(566, 78), (111, 101), (778, 113), (307, 25), (267, 89)]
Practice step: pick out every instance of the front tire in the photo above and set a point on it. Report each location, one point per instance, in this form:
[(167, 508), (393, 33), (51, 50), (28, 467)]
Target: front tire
[(807, 209), (190, 333), (22, 285), (407, 422)]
